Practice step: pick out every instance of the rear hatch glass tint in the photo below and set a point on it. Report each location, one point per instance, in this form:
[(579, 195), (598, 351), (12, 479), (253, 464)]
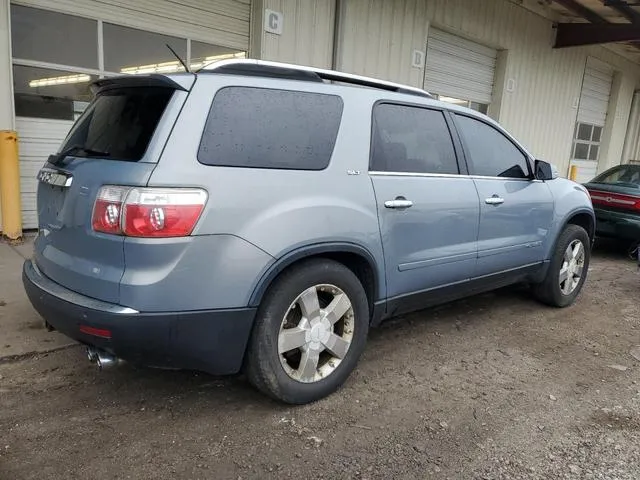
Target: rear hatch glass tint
[(103, 148), (119, 124)]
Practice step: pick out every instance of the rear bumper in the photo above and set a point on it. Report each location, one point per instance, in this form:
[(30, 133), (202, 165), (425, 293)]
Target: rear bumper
[(617, 224), (213, 341)]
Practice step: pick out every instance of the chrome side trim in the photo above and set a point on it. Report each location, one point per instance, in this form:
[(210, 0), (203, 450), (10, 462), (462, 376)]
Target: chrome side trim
[(52, 288), (431, 262), (509, 248), (604, 196), (376, 173)]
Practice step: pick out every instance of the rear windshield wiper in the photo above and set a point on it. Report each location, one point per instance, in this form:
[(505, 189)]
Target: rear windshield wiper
[(73, 149)]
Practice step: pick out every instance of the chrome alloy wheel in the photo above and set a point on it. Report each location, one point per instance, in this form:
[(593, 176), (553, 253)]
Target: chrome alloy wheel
[(316, 333), (572, 267)]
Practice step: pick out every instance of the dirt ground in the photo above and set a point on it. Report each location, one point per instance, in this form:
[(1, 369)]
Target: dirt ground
[(491, 387)]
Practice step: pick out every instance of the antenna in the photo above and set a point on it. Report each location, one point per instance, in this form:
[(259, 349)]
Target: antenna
[(184, 64)]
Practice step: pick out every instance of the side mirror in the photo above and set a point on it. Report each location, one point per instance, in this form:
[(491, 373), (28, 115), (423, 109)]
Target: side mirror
[(544, 171)]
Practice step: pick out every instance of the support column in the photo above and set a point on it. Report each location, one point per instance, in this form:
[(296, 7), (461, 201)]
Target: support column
[(7, 121)]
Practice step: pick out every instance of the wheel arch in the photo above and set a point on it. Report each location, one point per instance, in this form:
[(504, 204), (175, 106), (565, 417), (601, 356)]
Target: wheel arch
[(355, 257), (583, 218)]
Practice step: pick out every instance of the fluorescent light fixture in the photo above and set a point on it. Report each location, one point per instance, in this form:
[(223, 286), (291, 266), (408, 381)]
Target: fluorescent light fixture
[(62, 80), (175, 66), (165, 67)]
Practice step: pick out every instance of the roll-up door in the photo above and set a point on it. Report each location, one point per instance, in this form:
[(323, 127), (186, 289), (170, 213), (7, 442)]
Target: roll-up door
[(592, 117), (459, 68)]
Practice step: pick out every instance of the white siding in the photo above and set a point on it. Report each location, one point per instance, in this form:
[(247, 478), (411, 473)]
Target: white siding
[(631, 150), (222, 22), (38, 138), (540, 104), (307, 36)]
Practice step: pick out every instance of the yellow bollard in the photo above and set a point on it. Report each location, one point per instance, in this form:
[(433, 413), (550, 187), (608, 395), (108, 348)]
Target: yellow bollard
[(10, 186), (573, 172)]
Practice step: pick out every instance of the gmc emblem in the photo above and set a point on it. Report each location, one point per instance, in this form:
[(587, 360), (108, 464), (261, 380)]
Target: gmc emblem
[(54, 177)]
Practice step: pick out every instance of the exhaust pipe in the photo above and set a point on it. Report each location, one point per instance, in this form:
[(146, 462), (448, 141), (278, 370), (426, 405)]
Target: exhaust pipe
[(101, 358)]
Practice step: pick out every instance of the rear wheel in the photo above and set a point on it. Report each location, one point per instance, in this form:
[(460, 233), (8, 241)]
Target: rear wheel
[(310, 331), (567, 270)]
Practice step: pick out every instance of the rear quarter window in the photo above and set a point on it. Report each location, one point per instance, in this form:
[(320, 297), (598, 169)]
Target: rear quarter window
[(119, 123), (269, 128)]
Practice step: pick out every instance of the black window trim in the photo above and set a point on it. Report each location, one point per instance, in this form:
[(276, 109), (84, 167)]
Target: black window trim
[(467, 153), (293, 90), (457, 145)]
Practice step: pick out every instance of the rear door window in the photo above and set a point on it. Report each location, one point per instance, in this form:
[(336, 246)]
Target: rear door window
[(118, 124), (269, 128), (411, 140)]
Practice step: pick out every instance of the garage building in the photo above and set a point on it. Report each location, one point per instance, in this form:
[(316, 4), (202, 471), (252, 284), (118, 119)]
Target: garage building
[(568, 92)]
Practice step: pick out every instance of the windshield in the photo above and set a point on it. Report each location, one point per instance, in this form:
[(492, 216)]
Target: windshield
[(624, 175), (118, 124)]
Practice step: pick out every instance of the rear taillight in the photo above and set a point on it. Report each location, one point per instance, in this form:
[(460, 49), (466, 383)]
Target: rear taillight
[(616, 200), (148, 212), (107, 212)]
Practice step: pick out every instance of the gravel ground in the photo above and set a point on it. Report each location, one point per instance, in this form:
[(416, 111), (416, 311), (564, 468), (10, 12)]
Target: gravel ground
[(492, 387)]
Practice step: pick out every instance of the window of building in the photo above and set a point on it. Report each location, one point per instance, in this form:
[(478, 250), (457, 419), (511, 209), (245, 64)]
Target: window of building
[(586, 142), (53, 37), (267, 128), (411, 140), (56, 56), (47, 93), (492, 153), (203, 54), (129, 50), (478, 107)]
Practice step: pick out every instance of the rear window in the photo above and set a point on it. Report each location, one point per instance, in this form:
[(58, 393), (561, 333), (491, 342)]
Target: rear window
[(626, 175), (119, 123), (267, 128)]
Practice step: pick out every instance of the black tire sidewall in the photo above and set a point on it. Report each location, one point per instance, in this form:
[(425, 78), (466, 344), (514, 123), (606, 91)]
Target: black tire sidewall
[(278, 299), (571, 233)]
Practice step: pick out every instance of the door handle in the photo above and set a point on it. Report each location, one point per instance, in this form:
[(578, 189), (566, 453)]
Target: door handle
[(399, 202), (494, 200)]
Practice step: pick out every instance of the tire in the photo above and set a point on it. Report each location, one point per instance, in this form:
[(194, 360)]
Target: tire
[(552, 291), (283, 308)]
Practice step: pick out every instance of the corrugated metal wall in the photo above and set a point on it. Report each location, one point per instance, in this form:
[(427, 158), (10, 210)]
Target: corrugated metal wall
[(307, 36), (222, 22), (377, 38), (632, 143)]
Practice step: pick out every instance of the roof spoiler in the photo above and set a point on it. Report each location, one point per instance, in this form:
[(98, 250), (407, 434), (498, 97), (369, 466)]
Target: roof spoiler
[(128, 81)]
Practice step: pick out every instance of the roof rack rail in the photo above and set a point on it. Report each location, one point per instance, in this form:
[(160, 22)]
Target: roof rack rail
[(262, 68)]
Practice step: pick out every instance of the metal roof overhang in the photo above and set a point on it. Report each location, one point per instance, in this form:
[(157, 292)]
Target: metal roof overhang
[(591, 22)]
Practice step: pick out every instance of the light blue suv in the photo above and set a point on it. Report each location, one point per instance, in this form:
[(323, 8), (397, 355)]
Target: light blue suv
[(262, 217)]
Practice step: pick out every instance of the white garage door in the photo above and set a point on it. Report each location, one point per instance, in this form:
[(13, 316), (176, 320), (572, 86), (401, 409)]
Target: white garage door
[(459, 68), (39, 138), (52, 67), (592, 117)]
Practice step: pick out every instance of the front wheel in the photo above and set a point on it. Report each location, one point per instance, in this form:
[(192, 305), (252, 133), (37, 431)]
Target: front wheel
[(567, 270), (310, 331)]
